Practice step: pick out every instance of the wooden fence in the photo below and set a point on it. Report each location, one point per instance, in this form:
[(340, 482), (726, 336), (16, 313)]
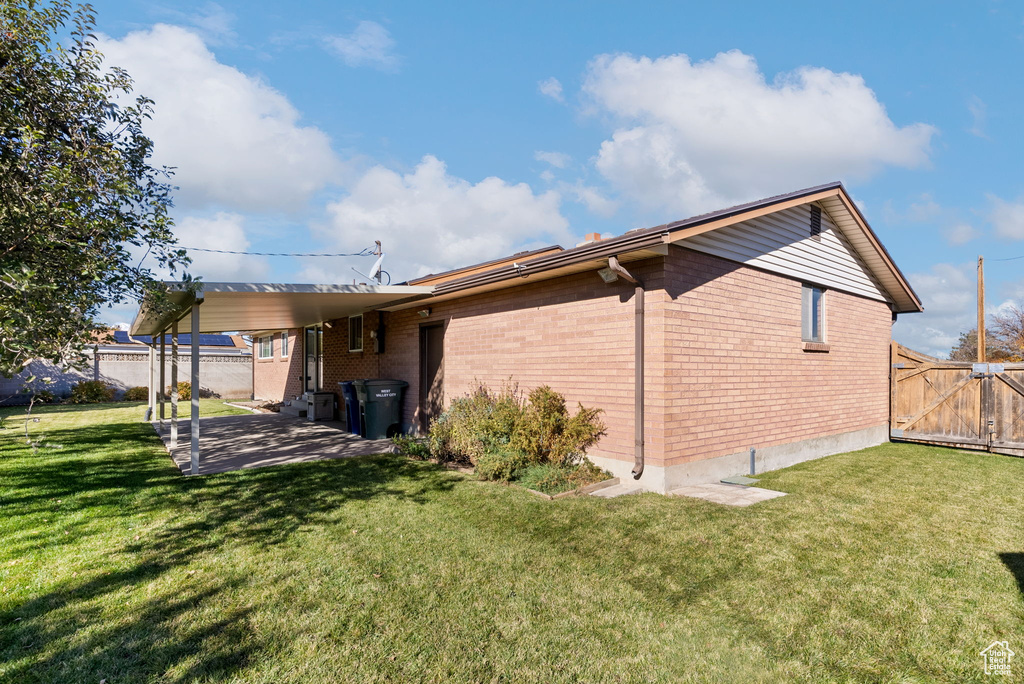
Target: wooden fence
[(967, 405)]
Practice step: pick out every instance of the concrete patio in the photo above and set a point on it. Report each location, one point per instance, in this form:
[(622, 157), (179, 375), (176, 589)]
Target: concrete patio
[(264, 439)]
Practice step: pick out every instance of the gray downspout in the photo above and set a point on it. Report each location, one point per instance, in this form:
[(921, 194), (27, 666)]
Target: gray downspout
[(638, 365)]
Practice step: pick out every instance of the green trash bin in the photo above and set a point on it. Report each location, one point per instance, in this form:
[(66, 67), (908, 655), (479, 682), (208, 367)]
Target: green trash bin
[(380, 406)]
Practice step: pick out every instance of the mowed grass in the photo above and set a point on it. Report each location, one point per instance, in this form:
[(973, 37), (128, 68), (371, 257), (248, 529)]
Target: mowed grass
[(893, 564)]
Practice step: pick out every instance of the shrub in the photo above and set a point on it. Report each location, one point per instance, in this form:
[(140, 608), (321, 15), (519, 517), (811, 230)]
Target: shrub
[(185, 391), (546, 432), (91, 392), (44, 397), (501, 435), (502, 465), (136, 394), (553, 479), (472, 425), (410, 446)]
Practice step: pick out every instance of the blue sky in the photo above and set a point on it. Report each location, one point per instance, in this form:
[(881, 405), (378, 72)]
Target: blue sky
[(459, 132)]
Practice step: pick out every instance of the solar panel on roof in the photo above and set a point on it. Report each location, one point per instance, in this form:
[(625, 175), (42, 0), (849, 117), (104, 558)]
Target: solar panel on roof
[(121, 337)]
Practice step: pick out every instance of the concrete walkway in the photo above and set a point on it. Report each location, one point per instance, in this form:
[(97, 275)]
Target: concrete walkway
[(264, 439), (728, 494)]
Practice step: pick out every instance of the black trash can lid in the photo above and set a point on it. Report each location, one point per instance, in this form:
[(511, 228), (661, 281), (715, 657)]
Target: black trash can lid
[(377, 382)]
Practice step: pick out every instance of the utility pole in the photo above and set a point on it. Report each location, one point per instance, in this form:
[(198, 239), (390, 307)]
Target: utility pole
[(981, 309)]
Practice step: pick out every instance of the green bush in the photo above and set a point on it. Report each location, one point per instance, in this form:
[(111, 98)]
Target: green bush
[(503, 465), (91, 392), (503, 436), (553, 479), (546, 432), (185, 391), (136, 394), (44, 397), (472, 425), (410, 446)]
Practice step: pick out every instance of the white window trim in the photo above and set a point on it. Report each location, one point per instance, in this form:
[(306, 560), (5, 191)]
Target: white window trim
[(362, 333), (284, 345), (259, 347)]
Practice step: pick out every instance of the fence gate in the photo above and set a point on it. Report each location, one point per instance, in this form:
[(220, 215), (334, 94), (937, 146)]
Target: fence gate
[(968, 405)]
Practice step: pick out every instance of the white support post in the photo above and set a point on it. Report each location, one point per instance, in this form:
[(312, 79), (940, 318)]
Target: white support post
[(174, 384), (152, 383), (195, 384), (161, 391)]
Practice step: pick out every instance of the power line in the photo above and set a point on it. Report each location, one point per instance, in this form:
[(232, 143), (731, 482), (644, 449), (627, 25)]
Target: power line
[(1009, 258), (365, 252)]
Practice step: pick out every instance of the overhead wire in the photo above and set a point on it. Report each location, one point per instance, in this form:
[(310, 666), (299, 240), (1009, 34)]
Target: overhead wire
[(367, 251)]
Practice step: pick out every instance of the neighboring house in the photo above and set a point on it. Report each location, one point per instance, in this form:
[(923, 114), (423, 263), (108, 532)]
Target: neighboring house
[(764, 326), (123, 361)]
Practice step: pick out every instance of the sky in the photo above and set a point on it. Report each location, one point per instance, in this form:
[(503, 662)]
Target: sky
[(455, 133)]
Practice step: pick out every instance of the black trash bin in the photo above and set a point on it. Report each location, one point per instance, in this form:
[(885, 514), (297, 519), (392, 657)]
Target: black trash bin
[(380, 406), (351, 407)]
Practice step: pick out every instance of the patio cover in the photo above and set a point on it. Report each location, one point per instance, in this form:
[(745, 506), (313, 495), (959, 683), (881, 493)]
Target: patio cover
[(229, 307)]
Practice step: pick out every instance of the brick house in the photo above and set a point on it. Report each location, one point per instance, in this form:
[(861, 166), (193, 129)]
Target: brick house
[(764, 326)]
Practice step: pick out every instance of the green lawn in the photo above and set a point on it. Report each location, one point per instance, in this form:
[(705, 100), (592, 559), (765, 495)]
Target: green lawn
[(894, 564)]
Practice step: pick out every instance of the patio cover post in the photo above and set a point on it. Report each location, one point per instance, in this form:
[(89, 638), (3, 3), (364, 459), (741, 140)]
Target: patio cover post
[(174, 384), (195, 383), (152, 382), (163, 379)]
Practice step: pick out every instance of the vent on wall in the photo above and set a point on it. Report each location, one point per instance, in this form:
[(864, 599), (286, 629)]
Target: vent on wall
[(816, 223)]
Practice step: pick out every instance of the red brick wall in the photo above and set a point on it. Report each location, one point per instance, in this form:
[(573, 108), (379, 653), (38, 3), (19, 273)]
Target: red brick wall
[(740, 377), (725, 366), (573, 333), (276, 378)]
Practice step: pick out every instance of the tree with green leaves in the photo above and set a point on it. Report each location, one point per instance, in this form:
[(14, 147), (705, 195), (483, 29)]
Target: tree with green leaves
[(80, 203)]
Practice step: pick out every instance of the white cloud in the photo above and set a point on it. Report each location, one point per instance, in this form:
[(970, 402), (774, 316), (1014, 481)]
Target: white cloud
[(551, 87), (223, 231), (948, 293), (694, 136), (429, 220), (960, 234), (370, 44), (559, 160), (1007, 218), (236, 142)]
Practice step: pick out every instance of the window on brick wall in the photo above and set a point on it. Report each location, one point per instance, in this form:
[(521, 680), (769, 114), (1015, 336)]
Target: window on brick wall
[(813, 313), (284, 345), (266, 347), (355, 333)]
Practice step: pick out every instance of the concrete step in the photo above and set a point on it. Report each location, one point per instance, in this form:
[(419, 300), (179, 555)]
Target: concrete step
[(616, 490), (294, 410)]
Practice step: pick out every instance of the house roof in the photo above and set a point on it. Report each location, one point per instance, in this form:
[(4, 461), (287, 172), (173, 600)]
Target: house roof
[(268, 306), (445, 276), (646, 242)]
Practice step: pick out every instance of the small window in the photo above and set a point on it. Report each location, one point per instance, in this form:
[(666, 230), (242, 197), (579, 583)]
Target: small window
[(813, 313), (355, 333), (266, 347), (284, 345)]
